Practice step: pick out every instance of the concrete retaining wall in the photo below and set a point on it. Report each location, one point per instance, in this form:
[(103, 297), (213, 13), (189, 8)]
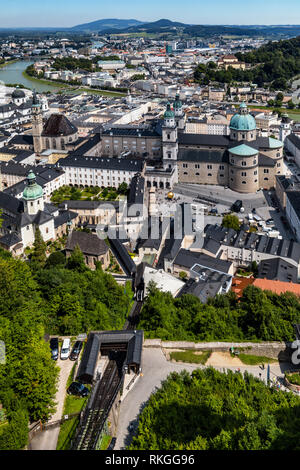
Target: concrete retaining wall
[(275, 350)]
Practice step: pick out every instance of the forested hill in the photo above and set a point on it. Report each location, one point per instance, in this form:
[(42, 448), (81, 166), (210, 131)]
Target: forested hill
[(273, 66)]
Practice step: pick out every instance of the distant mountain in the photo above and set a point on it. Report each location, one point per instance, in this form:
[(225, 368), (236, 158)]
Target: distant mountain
[(110, 23), (159, 26), (194, 30)]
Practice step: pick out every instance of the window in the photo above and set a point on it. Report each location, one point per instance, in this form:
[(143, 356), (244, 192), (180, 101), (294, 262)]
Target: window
[(185, 172), (244, 173), (209, 174), (221, 167), (197, 166), (254, 162), (244, 163), (221, 176), (278, 164), (185, 165), (209, 167), (255, 172), (266, 170), (243, 182), (168, 135), (266, 179), (197, 174)]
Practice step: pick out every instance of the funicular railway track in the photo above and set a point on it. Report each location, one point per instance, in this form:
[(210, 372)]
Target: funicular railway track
[(96, 412), (104, 392)]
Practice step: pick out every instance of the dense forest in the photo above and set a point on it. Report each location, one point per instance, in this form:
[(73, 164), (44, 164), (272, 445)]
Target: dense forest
[(48, 295), (209, 410), (257, 315), (273, 65)]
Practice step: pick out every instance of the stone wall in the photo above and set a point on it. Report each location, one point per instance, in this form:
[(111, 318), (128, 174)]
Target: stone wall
[(275, 350)]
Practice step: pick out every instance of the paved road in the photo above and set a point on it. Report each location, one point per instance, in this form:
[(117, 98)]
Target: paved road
[(47, 440), (155, 369)]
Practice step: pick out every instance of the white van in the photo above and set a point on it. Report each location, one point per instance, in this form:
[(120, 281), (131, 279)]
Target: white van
[(65, 349)]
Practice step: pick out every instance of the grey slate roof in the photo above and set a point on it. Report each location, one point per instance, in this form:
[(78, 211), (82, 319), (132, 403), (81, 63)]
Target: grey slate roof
[(122, 164), (87, 242), (277, 269), (203, 155), (187, 259)]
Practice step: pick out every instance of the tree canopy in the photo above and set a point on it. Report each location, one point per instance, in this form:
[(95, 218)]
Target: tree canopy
[(272, 65), (257, 315), (210, 410)]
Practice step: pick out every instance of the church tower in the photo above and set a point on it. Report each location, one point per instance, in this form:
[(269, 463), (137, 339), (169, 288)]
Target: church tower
[(179, 113), (33, 195), (37, 124), (285, 127), (169, 138)]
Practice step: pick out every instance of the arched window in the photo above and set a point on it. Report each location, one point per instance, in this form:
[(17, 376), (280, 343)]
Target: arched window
[(47, 144), (62, 142), (54, 143), (243, 182)]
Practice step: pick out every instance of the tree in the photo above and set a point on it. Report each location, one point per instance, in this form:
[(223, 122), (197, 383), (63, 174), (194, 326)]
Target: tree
[(123, 188), (291, 104), (76, 261), (56, 259), (231, 221), (38, 257), (183, 275)]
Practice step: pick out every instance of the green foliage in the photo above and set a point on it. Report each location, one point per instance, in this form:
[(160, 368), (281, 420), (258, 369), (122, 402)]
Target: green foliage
[(38, 257), (208, 410), (28, 378), (252, 360), (70, 63), (273, 64), (259, 315), (190, 356), (137, 76), (56, 259), (231, 221), (294, 378), (76, 261)]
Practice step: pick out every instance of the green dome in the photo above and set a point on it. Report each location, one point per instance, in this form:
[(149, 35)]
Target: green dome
[(243, 151), (243, 121), (32, 191), (169, 113), (177, 103), (275, 143)]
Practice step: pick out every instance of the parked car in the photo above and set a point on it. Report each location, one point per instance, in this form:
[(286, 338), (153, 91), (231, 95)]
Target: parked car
[(213, 210), (270, 222), (76, 388), (112, 444), (54, 348), (237, 205), (76, 351), (65, 349)]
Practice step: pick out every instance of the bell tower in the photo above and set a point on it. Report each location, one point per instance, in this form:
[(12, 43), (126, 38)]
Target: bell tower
[(37, 124)]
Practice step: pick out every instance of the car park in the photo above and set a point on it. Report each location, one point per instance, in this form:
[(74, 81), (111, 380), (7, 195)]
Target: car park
[(76, 388), (65, 349), (76, 351), (54, 348)]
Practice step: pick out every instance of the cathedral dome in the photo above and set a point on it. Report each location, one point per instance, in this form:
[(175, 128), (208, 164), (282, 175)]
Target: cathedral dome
[(243, 121), (177, 103), (169, 114), (32, 190), (18, 93)]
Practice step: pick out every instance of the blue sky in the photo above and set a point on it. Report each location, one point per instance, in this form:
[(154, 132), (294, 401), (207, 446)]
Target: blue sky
[(18, 13)]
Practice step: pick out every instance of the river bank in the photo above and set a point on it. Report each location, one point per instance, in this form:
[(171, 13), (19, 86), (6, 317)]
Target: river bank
[(72, 88)]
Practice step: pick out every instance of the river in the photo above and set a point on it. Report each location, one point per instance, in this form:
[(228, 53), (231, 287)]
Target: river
[(13, 73)]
